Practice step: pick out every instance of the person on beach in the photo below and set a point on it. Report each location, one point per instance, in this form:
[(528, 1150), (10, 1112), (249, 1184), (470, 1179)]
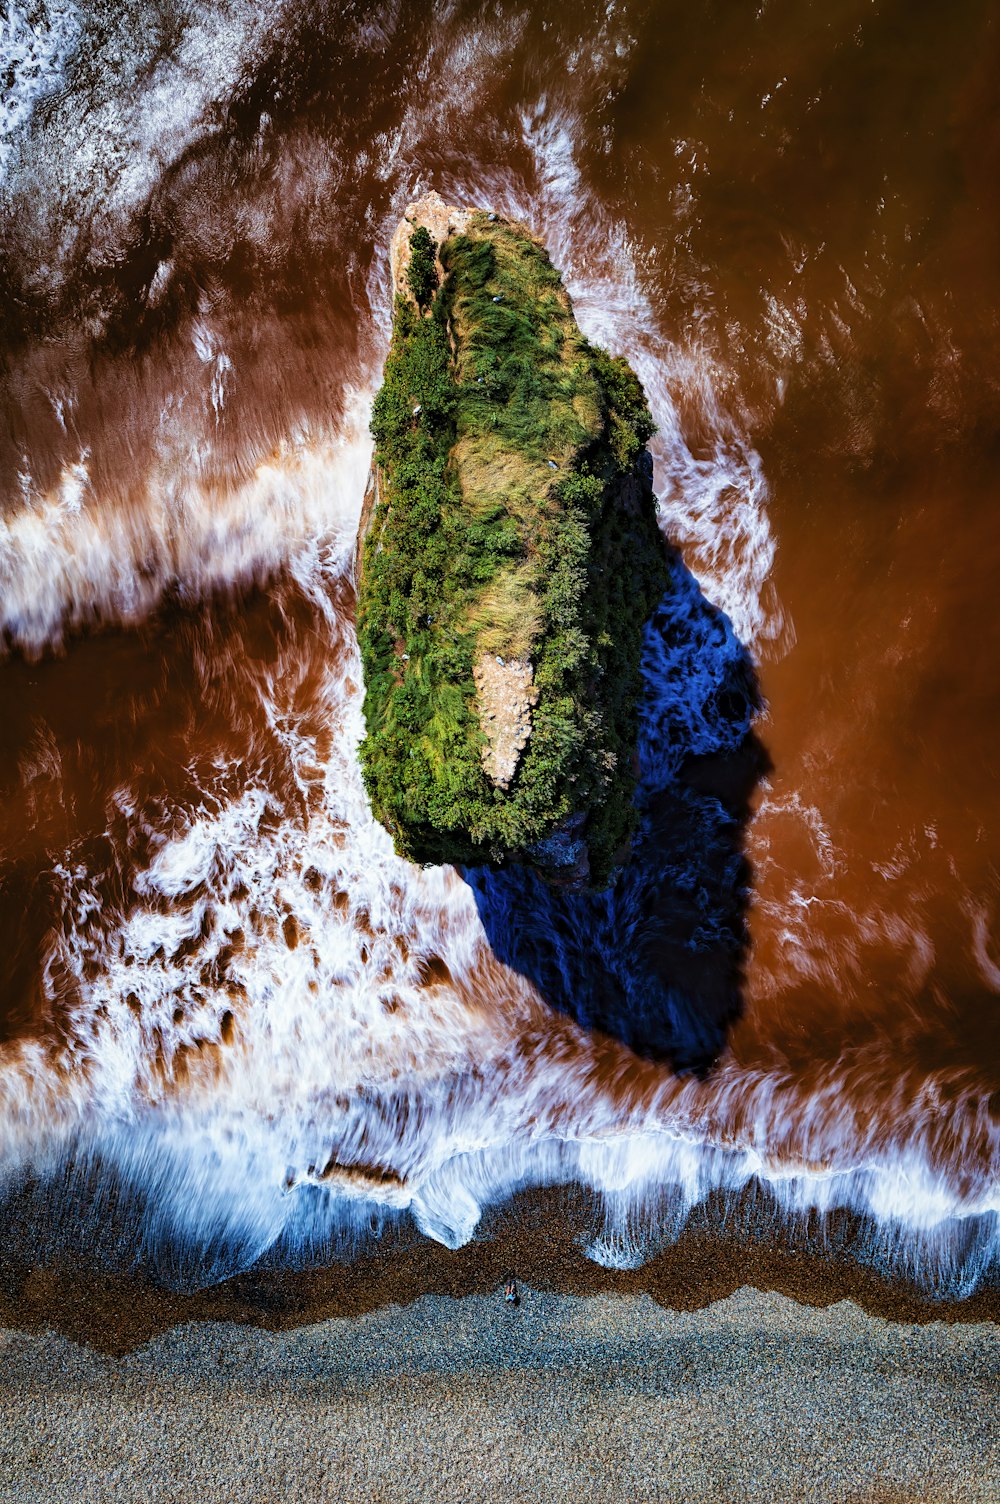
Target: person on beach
[(510, 1290)]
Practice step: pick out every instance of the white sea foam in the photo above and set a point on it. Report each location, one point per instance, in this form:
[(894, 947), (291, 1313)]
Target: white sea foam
[(143, 97), (35, 41), (68, 559)]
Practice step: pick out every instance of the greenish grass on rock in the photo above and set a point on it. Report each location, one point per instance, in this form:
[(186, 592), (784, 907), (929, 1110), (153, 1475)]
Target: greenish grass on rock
[(511, 515)]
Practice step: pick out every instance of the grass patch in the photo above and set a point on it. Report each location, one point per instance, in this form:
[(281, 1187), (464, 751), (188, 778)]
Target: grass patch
[(505, 442)]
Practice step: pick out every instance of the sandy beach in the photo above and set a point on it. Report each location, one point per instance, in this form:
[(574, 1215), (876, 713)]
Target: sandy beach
[(609, 1397)]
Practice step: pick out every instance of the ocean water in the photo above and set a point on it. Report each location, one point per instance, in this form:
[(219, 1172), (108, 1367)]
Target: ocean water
[(225, 1004)]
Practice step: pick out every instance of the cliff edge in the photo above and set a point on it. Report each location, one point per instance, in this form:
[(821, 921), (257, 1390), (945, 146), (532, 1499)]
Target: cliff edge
[(508, 557)]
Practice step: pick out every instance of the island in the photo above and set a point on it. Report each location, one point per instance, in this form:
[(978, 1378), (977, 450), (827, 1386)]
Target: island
[(508, 559)]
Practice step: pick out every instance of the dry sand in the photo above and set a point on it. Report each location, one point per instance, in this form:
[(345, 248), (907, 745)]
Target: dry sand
[(607, 1397)]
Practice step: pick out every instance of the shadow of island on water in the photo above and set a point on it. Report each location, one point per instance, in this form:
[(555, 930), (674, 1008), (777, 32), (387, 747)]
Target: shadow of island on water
[(657, 960)]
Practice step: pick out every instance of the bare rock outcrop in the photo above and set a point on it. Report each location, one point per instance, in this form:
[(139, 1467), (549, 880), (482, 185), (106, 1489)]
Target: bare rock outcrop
[(432, 214), (504, 697)]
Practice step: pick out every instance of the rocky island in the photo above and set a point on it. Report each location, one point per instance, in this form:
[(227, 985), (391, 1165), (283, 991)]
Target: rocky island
[(508, 558)]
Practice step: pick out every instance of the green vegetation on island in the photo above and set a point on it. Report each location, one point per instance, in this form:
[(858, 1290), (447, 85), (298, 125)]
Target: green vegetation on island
[(512, 519)]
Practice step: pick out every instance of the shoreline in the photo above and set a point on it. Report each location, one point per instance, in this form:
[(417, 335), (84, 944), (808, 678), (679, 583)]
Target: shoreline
[(115, 1311)]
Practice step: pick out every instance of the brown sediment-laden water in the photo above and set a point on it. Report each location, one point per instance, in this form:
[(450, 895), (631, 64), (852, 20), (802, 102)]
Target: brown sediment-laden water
[(234, 1024)]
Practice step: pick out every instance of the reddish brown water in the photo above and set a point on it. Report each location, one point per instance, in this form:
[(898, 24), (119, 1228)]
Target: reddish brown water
[(217, 981)]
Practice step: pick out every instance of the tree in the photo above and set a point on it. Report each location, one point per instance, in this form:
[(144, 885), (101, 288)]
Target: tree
[(422, 271)]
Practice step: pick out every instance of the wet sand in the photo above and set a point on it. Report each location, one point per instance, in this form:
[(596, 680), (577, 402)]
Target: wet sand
[(69, 1285), (603, 1398)]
